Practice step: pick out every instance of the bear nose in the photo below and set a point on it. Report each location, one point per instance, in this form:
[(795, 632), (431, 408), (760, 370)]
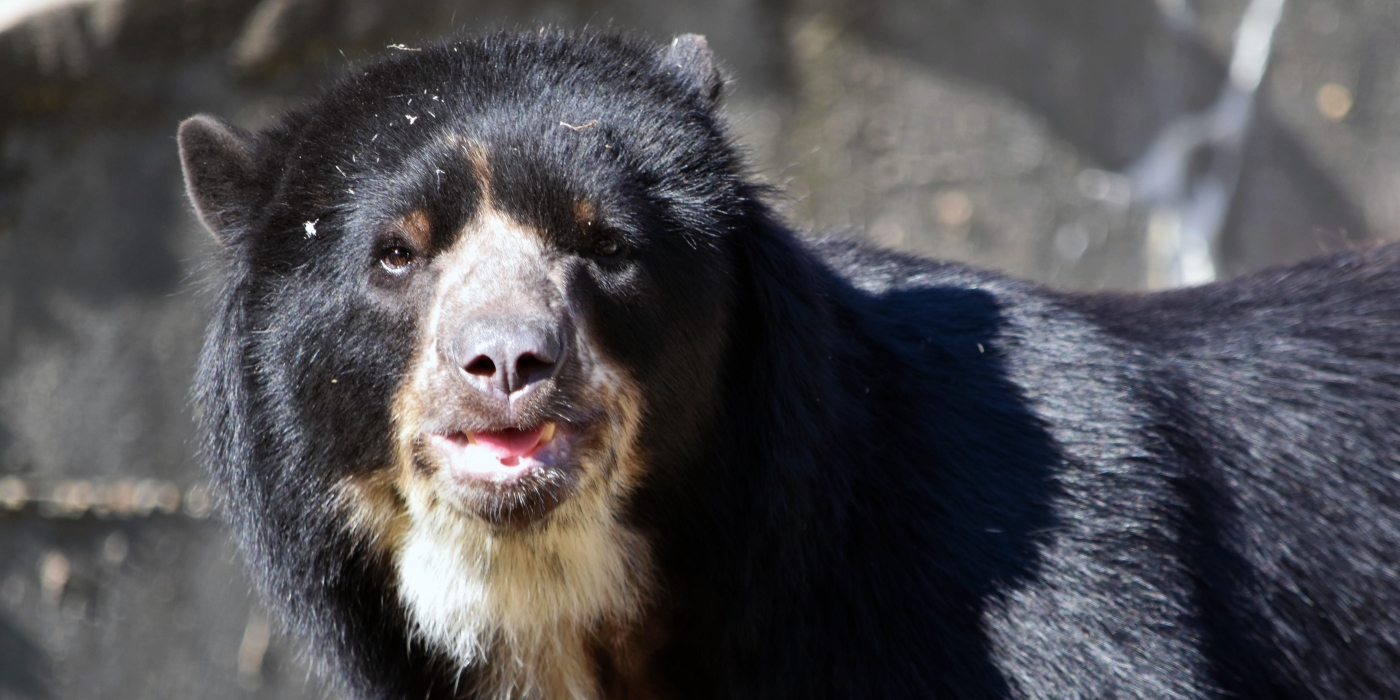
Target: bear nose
[(506, 356)]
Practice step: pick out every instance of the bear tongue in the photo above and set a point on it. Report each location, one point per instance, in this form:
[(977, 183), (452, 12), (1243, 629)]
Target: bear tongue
[(511, 442)]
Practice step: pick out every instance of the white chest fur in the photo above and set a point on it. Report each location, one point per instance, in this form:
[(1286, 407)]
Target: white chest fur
[(522, 606)]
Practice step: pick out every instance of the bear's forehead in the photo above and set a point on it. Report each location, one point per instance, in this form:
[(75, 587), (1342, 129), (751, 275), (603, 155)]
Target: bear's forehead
[(483, 78), (607, 137), (401, 117)]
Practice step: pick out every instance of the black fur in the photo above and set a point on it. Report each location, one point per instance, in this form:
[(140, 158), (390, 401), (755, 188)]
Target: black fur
[(904, 478)]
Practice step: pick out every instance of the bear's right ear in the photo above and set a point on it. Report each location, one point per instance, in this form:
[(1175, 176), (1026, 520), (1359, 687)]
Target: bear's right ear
[(689, 58), (220, 173)]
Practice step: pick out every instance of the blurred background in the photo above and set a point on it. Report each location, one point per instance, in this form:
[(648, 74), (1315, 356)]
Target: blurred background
[(1085, 144)]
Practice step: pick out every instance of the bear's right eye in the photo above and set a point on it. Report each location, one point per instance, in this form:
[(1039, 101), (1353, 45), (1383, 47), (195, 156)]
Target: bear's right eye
[(395, 260)]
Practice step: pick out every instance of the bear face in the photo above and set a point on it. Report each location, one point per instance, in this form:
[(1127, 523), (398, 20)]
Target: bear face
[(448, 282)]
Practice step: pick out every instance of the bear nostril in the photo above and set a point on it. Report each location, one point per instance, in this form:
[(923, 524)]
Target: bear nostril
[(530, 367), (482, 366)]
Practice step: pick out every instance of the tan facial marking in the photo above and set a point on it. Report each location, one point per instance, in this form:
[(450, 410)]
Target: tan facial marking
[(416, 228), (585, 214), (539, 609), (479, 158), (374, 509)]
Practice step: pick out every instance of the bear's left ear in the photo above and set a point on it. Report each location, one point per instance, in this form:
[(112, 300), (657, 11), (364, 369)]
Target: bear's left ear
[(689, 59), (221, 175)]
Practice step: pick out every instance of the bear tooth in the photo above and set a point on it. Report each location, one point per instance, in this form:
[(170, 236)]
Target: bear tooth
[(548, 433), (471, 437)]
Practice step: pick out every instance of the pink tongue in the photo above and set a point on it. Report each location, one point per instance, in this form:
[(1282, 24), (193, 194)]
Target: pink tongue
[(510, 442)]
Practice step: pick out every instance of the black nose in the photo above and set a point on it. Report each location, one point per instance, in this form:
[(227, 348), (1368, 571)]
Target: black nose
[(507, 355)]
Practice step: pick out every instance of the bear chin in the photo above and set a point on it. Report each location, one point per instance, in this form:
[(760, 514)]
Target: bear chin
[(516, 578), (524, 602)]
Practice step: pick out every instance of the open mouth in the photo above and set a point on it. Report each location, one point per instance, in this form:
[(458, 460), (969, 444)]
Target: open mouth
[(500, 456)]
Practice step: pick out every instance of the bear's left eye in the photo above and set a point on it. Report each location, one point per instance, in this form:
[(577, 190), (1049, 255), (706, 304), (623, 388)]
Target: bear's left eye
[(609, 249), (395, 260)]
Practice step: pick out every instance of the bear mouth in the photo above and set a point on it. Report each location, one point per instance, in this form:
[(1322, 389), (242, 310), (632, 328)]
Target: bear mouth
[(511, 476), (502, 457)]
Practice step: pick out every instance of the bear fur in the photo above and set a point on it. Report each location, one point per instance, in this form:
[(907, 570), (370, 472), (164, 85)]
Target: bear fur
[(763, 466)]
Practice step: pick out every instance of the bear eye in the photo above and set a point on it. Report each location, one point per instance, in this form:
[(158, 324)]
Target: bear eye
[(609, 249), (395, 260)]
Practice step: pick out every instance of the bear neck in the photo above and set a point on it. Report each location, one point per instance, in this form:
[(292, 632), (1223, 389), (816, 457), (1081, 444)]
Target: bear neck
[(792, 329)]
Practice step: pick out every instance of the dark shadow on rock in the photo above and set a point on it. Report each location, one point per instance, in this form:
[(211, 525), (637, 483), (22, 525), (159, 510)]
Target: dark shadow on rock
[(23, 668)]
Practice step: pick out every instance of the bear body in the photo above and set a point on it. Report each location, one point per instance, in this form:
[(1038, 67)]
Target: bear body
[(516, 388)]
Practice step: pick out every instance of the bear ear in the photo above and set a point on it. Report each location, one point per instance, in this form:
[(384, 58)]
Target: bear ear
[(689, 58), (220, 173)]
